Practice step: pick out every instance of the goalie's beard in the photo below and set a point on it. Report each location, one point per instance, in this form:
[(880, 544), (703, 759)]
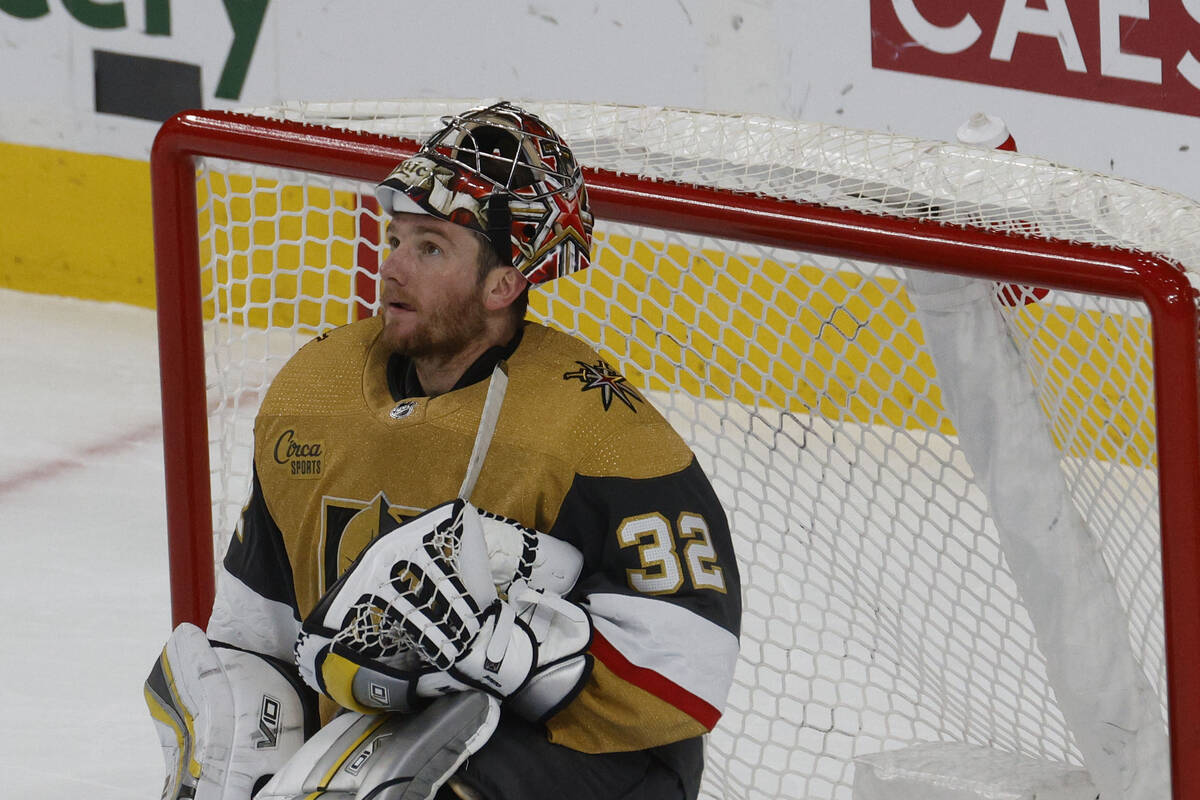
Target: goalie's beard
[(444, 332)]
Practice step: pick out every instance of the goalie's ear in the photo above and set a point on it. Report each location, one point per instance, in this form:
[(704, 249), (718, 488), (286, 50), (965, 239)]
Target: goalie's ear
[(502, 286)]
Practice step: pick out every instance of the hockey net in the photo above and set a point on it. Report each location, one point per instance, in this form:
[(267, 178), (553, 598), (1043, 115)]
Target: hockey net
[(949, 491)]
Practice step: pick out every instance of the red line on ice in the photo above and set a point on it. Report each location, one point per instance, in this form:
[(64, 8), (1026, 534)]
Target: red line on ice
[(80, 458)]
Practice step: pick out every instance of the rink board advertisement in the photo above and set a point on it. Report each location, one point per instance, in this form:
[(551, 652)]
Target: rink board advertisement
[(1110, 86), (1125, 53)]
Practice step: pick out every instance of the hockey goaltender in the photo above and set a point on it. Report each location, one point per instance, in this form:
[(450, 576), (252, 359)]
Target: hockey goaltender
[(475, 561)]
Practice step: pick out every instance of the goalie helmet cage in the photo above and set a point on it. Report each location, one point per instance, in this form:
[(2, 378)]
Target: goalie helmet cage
[(960, 517)]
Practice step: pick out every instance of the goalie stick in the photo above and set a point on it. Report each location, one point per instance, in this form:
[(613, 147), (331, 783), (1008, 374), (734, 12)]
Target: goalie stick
[(488, 417)]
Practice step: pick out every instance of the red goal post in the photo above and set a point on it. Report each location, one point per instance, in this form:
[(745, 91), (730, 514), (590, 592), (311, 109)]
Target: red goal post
[(692, 209)]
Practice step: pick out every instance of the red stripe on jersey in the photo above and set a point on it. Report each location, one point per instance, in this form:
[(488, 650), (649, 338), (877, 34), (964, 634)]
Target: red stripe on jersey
[(654, 683)]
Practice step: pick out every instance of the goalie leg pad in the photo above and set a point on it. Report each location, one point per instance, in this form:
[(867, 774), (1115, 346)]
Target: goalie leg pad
[(227, 719), (388, 757)]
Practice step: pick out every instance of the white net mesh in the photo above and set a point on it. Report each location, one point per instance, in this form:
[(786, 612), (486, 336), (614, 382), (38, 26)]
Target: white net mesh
[(876, 173), (880, 609)]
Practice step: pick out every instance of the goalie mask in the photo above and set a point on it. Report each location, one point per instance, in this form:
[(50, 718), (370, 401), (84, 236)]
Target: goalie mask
[(503, 173)]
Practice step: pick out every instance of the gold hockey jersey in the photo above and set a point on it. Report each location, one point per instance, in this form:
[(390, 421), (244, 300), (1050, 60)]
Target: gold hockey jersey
[(341, 454)]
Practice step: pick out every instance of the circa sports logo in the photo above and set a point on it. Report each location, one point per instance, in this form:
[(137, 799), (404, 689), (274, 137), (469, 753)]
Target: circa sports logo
[(610, 383), (305, 459)]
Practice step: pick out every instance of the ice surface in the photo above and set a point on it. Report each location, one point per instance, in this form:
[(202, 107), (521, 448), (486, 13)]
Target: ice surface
[(84, 587), (83, 554)]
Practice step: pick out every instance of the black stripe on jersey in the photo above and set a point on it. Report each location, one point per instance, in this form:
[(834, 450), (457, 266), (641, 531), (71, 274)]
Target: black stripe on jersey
[(258, 557), (594, 508)]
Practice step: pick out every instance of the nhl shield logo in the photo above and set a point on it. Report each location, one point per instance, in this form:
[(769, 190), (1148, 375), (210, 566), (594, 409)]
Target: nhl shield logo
[(403, 409)]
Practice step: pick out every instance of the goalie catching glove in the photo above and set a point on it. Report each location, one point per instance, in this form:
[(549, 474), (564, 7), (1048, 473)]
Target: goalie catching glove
[(418, 615)]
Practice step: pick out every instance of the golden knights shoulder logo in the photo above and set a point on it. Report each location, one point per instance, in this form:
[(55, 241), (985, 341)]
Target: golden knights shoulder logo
[(349, 525), (304, 458), (610, 383)]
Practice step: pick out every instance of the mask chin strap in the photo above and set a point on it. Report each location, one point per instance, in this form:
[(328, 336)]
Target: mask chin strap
[(500, 227)]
